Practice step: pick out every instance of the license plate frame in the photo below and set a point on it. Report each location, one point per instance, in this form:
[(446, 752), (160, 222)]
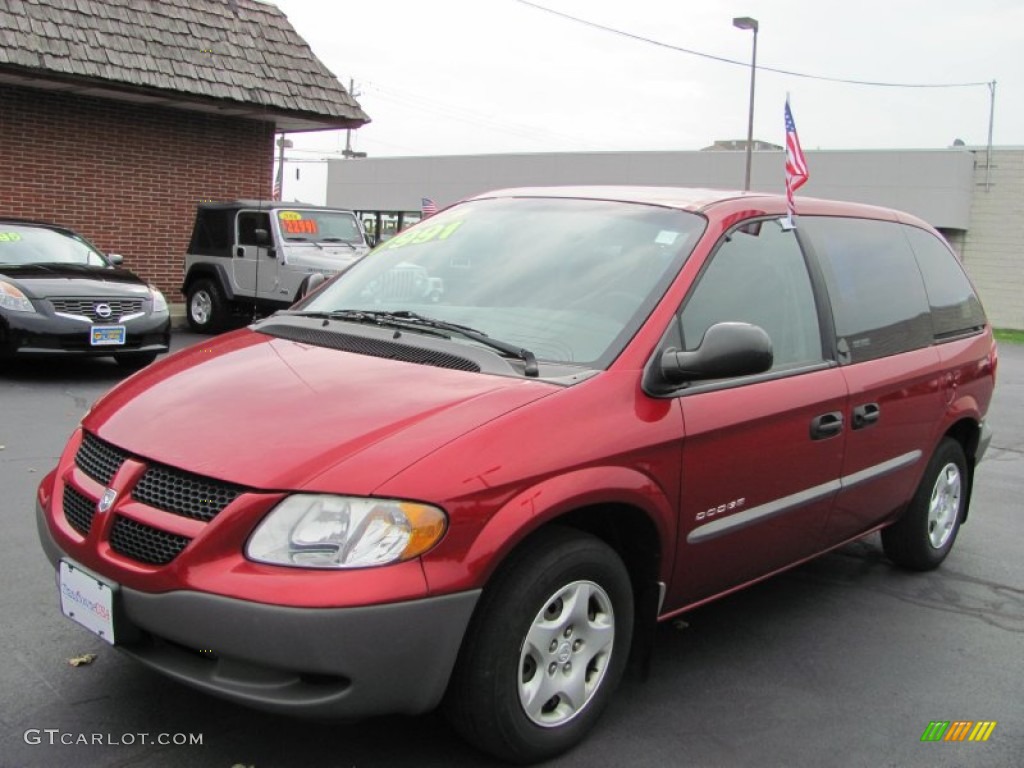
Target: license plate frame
[(107, 335), (87, 600)]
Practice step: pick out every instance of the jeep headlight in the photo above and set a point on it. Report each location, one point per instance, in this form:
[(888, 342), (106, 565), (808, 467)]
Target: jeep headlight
[(321, 531)]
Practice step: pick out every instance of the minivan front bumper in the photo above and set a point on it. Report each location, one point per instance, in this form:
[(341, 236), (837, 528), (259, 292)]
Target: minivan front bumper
[(316, 662)]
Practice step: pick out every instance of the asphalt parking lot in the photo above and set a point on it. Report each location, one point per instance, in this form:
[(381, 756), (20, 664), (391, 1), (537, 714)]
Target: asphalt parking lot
[(842, 662)]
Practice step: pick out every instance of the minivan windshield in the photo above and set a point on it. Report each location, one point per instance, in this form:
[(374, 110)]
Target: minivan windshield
[(570, 280), (21, 245), (306, 225)]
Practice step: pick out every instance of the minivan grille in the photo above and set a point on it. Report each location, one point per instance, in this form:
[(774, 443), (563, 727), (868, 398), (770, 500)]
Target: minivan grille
[(161, 487), (361, 345), (78, 510), (88, 308), (144, 543), (99, 460), (183, 493)]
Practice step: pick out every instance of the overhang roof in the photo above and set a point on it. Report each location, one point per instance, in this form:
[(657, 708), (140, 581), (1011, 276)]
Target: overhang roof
[(229, 57)]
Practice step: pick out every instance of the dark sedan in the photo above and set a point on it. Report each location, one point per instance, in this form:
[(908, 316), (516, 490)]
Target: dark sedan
[(60, 294)]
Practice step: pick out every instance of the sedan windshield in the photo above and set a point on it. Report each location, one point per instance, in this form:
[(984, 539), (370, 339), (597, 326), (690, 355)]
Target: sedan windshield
[(21, 245), (569, 280)]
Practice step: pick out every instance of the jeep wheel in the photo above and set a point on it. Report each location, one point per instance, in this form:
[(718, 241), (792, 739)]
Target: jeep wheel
[(207, 310), (924, 535), (545, 650)]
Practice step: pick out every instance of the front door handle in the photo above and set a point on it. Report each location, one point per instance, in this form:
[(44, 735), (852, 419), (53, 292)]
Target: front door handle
[(240, 252), (865, 415), (827, 425)]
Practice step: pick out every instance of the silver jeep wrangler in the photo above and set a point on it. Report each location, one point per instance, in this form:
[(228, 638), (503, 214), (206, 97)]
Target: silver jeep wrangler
[(255, 256)]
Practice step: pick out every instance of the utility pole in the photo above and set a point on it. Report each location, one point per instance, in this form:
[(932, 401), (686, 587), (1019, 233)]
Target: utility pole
[(347, 152), (282, 144)]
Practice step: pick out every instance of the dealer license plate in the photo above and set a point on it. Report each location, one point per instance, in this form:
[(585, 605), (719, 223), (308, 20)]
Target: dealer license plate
[(87, 600), (107, 335)]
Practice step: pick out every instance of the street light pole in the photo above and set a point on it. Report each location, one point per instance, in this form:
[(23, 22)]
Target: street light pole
[(745, 22)]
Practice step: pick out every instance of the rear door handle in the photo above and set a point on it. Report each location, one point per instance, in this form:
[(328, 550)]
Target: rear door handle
[(827, 425), (865, 415)]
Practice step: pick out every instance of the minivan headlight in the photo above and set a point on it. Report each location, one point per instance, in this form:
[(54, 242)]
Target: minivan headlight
[(12, 298), (322, 531)]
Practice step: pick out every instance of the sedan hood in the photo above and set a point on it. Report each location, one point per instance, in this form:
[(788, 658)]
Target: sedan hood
[(41, 281), (276, 414)]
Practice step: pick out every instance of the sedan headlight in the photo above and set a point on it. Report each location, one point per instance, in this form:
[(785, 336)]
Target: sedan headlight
[(12, 298), (319, 531), (159, 300)]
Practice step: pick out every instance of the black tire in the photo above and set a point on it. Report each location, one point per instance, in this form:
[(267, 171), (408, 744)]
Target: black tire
[(206, 308), (924, 534), (497, 665), (134, 361)]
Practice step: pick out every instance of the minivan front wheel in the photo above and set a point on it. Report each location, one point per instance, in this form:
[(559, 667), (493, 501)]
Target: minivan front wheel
[(206, 307), (924, 535), (546, 648)]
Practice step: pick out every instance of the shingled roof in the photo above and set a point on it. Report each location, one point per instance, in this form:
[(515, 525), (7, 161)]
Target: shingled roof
[(229, 56)]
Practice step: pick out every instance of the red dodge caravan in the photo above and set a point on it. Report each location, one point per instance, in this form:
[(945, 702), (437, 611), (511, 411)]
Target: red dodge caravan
[(473, 468)]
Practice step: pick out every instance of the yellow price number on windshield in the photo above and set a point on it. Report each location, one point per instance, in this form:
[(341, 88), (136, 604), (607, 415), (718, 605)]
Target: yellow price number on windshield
[(9, 237), (423, 235)]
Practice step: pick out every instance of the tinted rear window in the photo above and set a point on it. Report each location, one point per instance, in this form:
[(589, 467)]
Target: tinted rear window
[(213, 233), (955, 307), (878, 298)]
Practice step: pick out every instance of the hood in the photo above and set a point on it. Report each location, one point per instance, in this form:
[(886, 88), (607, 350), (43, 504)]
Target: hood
[(325, 257), (276, 414), (41, 281)]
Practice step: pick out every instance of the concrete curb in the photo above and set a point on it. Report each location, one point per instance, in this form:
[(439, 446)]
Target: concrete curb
[(178, 319)]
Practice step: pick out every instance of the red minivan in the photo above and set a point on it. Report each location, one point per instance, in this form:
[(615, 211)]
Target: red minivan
[(473, 468)]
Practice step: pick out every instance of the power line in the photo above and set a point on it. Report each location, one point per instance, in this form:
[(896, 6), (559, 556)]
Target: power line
[(745, 64)]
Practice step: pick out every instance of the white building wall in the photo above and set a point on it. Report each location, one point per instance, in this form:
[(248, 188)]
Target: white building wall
[(993, 247), (933, 184)]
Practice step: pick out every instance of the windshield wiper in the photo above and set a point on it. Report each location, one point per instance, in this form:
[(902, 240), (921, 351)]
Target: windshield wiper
[(411, 320), (337, 240)]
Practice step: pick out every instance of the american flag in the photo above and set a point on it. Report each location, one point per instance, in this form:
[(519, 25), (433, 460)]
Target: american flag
[(427, 207), (796, 163)]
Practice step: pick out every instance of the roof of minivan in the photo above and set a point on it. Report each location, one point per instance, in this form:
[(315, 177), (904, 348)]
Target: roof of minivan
[(699, 199)]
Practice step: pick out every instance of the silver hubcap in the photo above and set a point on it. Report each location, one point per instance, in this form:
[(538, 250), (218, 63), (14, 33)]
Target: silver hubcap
[(566, 653), (944, 506), (202, 306)]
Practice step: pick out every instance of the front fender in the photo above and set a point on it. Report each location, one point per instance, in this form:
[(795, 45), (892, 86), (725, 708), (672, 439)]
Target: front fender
[(545, 502)]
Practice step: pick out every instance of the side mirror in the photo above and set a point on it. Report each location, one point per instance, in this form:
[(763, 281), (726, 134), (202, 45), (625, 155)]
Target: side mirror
[(311, 283), (115, 258), (262, 237), (727, 349)]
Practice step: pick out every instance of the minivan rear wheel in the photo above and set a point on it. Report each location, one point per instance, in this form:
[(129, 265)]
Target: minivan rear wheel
[(545, 650), (924, 534)]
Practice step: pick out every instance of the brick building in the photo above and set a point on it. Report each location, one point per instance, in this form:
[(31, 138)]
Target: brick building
[(117, 116)]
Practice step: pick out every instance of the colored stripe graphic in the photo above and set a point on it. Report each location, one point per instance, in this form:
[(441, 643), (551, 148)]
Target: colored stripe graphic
[(958, 730), (935, 731), (982, 730)]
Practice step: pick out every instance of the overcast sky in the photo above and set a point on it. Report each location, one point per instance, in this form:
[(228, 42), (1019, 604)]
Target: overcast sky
[(487, 76)]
